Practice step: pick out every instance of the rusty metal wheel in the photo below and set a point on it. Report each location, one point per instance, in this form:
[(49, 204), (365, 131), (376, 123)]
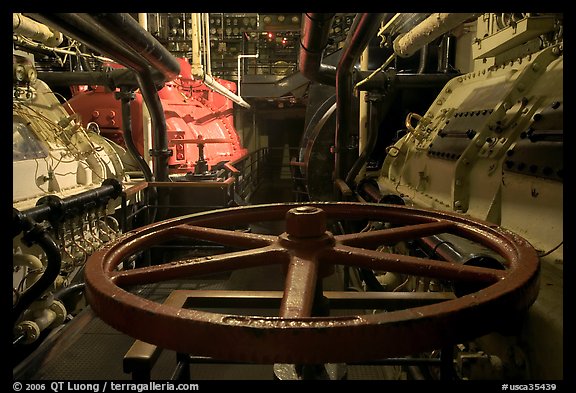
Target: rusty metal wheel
[(307, 250)]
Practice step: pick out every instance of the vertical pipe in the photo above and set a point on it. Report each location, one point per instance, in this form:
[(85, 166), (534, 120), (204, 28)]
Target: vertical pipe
[(363, 114), (363, 29), (313, 41), (143, 20), (208, 62), (160, 152), (197, 68)]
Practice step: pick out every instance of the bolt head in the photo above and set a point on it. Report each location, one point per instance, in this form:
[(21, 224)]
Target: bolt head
[(306, 222)]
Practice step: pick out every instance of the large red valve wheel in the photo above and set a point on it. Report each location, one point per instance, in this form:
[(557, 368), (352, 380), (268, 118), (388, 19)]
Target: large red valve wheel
[(307, 250)]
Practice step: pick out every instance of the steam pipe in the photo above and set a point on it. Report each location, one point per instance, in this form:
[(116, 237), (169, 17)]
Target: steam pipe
[(44, 49), (423, 59), (36, 31), (427, 31), (373, 126), (88, 30), (446, 54), (125, 98), (363, 29), (52, 208), (141, 41), (313, 42), (202, 71), (82, 28), (160, 152), (36, 233)]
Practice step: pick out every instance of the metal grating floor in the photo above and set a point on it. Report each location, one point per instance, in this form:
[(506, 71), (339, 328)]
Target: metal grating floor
[(97, 351)]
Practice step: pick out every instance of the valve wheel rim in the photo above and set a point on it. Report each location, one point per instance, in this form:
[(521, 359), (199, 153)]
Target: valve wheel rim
[(295, 336)]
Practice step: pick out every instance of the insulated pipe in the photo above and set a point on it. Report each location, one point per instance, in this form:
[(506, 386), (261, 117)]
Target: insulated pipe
[(196, 65), (405, 45), (35, 31), (32, 262), (363, 29), (313, 42), (143, 20)]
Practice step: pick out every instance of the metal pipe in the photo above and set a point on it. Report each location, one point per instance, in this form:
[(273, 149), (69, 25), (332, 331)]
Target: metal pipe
[(160, 152), (84, 29), (125, 99), (313, 42), (208, 62), (41, 48), (363, 29), (446, 54), (402, 81), (373, 125), (36, 31), (213, 84), (33, 263), (143, 20), (196, 65), (110, 79), (457, 250), (52, 208), (104, 38), (36, 233), (423, 59), (199, 71), (240, 57), (64, 292), (142, 42), (405, 45)]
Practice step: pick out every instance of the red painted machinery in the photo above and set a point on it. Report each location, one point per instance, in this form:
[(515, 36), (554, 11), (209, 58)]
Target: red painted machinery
[(199, 121)]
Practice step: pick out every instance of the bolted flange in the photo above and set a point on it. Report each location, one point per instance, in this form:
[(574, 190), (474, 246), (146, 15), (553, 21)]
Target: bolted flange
[(305, 222)]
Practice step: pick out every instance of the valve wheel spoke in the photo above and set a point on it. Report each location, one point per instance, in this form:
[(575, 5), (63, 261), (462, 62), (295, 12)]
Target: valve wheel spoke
[(300, 288), (399, 263), (197, 266)]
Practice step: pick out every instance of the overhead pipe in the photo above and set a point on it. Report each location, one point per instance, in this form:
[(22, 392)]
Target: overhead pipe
[(313, 41), (363, 29), (45, 49), (405, 45), (27, 27), (122, 38), (127, 29), (109, 79), (82, 28)]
